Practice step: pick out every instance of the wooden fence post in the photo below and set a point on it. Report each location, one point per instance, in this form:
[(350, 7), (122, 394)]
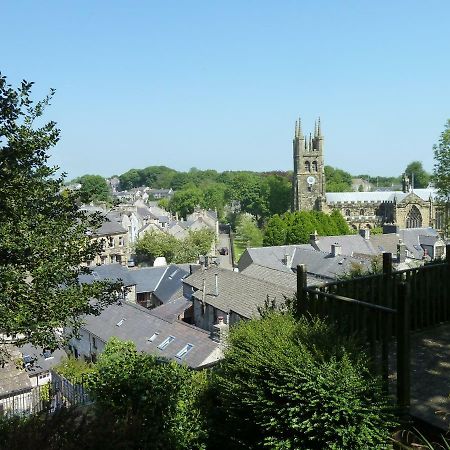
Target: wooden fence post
[(403, 348), (301, 294), (387, 263)]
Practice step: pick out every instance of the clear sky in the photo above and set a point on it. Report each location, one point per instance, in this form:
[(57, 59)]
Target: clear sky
[(220, 84)]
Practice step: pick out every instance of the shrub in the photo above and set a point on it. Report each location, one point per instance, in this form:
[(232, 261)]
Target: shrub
[(288, 384)]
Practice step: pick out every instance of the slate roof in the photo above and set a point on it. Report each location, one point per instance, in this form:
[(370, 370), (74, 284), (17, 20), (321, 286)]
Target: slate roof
[(13, 378), (147, 278), (324, 265), (411, 238), (236, 292), (108, 272), (352, 244), (139, 324), (171, 310), (40, 363), (170, 285), (111, 225), (378, 196), (282, 278)]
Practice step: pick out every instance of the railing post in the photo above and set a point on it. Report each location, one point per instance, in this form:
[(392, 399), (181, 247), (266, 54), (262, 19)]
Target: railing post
[(403, 348), (301, 294)]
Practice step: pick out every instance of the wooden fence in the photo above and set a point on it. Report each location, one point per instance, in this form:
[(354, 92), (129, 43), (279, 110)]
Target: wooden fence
[(383, 309)]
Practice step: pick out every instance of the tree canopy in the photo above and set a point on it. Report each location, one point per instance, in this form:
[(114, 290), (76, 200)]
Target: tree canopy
[(93, 189), (289, 384), (296, 227), (416, 172), (45, 237), (441, 172)]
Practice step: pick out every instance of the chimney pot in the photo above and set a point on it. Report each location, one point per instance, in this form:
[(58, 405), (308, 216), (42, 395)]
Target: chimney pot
[(336, 249)]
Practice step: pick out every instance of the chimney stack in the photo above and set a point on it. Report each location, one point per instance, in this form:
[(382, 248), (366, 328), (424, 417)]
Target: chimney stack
[(219, 331), (401, 251), (336, 249), (365, 233)]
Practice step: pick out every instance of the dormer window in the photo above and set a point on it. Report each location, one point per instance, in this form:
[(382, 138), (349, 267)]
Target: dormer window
[(184, 351), (166, 343)]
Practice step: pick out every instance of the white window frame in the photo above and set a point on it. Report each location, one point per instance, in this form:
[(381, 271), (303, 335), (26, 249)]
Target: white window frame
[(184, 351), (164, 344)]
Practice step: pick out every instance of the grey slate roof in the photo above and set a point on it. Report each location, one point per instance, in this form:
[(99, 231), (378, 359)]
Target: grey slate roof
[(111, 272), (411, 237), (171, 310), (140, 324), (236, 291), (378, 196), (13, 378), (40, 363), (353, 244), (318, 264), (171, 285), (324, 265), (111, 225), (147, 278)]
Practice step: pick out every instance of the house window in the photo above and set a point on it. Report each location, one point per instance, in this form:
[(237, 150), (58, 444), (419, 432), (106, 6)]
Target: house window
[(121, 241), (111, 242), (119, 259), (184, 351), (153, 337), (347, 212), (103, 259), (166, 343), (94, 342), (361, 212)]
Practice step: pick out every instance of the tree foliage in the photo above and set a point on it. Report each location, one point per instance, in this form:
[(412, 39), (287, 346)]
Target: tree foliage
[(156, 243), (416, 172), (164, 395), (296, 227), (337, 180), (441, 172), (44, 236), (247, 232), (93, 189), (288, 384)]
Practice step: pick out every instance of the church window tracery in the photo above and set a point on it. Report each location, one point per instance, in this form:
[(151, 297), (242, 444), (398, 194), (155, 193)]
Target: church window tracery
[(314, 166), (414, 218)]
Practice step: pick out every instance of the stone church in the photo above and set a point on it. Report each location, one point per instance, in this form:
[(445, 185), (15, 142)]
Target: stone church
[(409, 208)]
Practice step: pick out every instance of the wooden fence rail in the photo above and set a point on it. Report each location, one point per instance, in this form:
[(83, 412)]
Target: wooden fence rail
[(383, 308)]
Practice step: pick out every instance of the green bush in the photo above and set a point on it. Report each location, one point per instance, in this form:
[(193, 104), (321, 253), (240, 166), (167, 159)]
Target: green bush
[(163, 395), (288, 384)]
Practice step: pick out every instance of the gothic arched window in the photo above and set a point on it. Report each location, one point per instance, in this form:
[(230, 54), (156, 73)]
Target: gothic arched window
[(307, 166), (314, 166), (414, 218), (347, 212)]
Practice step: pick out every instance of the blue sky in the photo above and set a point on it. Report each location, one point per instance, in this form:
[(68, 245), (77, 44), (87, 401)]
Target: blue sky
[(220, 84)]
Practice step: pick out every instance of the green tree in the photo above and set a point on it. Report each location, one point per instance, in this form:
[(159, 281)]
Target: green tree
[(289, 384), (163, 395), (247, 232), (441, 172), (94, 188), (44, 236), (155, 244), (275, 231), (130, 179), (421, 176), (185, 201), (279, 194), (337, 180)]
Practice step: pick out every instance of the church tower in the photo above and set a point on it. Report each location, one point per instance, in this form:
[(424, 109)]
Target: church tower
[(308, 181)]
